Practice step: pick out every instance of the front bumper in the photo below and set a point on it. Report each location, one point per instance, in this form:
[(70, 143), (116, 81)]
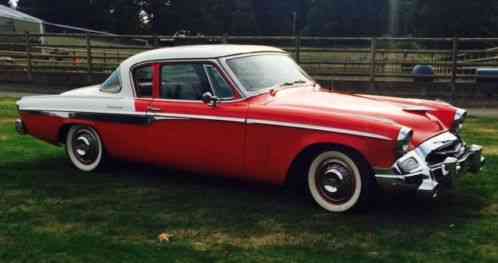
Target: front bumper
[(420, 169)]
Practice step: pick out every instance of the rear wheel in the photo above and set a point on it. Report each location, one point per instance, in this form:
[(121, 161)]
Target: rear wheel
[(84, 148), (338, 182)]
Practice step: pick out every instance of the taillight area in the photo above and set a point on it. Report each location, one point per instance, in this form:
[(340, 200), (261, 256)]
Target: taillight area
[(20, 128)]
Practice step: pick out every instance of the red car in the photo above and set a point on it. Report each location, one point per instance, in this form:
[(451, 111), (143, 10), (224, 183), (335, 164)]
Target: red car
[(251, 112)]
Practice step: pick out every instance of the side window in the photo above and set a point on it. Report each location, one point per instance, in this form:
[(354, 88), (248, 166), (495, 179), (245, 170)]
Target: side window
[(218, 83), (183, 81), (142, 78), (113, 83)]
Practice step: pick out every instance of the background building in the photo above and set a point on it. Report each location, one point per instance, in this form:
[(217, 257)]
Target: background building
[(13, 21)]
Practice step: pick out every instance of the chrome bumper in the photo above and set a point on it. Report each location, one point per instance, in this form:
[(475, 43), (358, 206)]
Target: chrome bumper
[(20, 127), (427, 179)]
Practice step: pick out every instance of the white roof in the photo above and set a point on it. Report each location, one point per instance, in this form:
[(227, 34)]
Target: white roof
[(198, 52), (14, 14)]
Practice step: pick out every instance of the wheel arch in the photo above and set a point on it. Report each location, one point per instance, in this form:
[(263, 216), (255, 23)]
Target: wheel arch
[(64, 129)]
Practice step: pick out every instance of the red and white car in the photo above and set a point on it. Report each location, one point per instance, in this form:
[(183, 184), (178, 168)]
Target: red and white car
[(251, 112)]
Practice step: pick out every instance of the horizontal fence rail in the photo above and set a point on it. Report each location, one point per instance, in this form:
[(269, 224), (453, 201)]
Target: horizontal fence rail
[(327, 59)]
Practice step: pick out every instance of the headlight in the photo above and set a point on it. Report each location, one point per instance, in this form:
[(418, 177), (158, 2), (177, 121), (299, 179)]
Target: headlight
[(409, 165), (403, 141), (458, 121)]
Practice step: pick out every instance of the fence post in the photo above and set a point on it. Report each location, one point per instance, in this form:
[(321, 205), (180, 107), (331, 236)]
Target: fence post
[(29, 57), (373, 56), (298, 47), (156, 41), (454, 57), (89, 56), (224, 39)]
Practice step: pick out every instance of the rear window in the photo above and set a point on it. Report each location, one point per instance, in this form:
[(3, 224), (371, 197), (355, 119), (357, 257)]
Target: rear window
[(113, 83)]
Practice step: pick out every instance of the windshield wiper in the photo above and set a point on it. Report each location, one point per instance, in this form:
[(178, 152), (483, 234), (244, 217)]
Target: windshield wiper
[(285, 85), (289, 83)]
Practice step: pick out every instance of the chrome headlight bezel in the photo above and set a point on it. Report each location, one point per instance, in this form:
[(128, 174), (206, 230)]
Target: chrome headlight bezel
[(458, 120), (403, 141)]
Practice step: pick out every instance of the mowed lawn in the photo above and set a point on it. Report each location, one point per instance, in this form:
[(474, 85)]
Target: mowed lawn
[(49, 212)]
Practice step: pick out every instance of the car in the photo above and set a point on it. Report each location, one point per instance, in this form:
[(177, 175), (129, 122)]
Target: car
[(252, 113)]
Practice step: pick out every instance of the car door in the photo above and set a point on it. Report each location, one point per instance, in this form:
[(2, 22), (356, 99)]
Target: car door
[(193, 135)]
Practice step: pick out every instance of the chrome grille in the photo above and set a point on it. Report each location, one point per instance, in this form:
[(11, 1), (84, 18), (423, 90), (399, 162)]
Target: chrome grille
[(452, 149)]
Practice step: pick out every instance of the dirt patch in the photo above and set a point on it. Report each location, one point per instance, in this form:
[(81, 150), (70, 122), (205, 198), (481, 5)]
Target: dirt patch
[(490, 210), (484, 112), (486, 130), (490, 150)]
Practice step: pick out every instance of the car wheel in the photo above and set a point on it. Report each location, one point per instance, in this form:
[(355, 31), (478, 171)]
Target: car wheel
[(336, 182), (84, 148)]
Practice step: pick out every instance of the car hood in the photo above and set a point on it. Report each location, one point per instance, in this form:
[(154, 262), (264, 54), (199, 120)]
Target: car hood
[(422, 118)]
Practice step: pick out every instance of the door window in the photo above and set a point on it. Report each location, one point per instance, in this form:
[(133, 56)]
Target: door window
[(142, 78), (220, 87), (183, 82)]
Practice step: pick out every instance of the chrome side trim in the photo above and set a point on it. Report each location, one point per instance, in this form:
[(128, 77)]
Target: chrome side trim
[(317, 128), (56, 112), (172, 116), (156, 116), (165, 118), (199, 117)]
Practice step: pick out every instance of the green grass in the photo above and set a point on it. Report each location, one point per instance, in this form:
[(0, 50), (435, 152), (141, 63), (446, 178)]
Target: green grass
[(51, 213)]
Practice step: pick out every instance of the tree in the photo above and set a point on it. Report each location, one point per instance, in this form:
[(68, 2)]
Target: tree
[(125, 16), (5, 3), (455, 17), (170, 16), (347, 17), (106, 15), (274, 17)]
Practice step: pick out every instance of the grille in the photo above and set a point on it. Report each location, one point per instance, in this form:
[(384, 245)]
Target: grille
[(453, 149)]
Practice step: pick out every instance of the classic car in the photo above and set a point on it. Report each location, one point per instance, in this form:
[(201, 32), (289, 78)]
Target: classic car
[(251, 112)]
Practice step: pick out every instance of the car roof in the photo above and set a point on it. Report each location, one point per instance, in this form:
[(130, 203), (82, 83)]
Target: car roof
[(199, 52)]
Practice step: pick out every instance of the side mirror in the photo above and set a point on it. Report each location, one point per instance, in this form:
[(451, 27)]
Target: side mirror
[(210, 99)]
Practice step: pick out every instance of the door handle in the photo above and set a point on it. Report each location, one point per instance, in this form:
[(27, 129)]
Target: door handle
[(155, 109)]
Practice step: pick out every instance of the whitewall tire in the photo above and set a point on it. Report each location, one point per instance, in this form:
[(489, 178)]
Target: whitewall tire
[(335, 182), (84, 148)]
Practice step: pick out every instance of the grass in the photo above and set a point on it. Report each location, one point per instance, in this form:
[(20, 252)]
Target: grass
[(49, 212)]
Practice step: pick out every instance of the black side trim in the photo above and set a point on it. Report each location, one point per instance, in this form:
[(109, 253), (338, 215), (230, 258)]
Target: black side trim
[(119, 118)]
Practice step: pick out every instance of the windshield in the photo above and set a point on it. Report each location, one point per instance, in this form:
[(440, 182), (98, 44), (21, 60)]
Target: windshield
[(260, 72)]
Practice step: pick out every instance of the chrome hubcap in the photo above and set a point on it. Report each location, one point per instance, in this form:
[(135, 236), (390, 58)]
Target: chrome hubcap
[(85, 147), (335, 181)]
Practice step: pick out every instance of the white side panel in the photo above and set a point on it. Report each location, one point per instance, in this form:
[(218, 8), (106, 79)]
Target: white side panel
[(95, 104)]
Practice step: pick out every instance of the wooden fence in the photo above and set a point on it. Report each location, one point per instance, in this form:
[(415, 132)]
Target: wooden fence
[(325, 58)]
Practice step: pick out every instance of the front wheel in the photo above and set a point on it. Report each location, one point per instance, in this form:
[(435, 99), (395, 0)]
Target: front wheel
[(84, 148), (337, 183)]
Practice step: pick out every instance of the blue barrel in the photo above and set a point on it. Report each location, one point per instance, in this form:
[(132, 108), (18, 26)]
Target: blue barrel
[(487, 73), (423, 73), (487, 81)]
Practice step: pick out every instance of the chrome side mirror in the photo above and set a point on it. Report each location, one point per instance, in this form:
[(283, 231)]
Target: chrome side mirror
[(210, 99)]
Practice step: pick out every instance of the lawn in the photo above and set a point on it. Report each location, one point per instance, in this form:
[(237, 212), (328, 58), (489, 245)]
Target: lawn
[(51, 213)]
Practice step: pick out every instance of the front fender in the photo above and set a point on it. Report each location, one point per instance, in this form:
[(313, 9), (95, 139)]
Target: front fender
[(270, 157)]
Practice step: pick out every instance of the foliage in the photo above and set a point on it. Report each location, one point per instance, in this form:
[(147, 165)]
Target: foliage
[(450, 17), (5, 2), (249, 17)]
